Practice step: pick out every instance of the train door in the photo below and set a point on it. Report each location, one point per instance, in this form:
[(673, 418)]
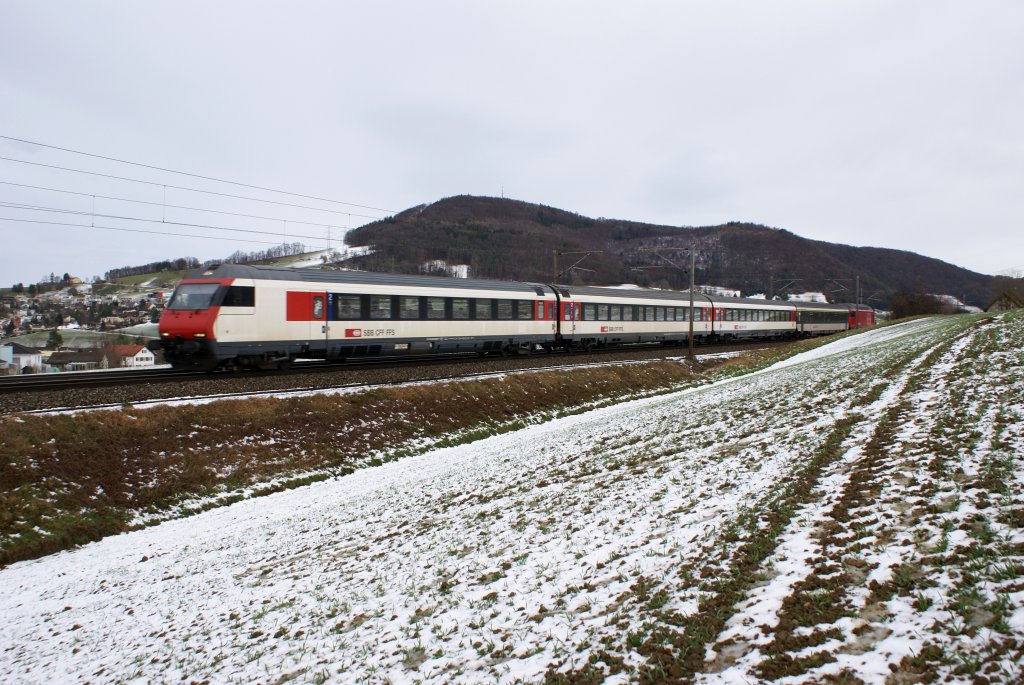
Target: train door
[(571, 313), (307, 315)]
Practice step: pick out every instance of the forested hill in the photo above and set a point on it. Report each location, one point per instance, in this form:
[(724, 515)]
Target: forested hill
[(509, 239)]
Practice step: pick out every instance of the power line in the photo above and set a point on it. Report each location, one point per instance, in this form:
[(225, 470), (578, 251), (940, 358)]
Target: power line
[(186, 173), (191, 190), (162, 204), (57, 210), (139, 230)]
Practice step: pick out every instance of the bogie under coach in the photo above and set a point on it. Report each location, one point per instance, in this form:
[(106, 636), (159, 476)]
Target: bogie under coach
[(235, 316)]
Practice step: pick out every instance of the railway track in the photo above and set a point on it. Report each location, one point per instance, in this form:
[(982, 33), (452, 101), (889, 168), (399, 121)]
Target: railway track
[(113, 388), (97, 379)]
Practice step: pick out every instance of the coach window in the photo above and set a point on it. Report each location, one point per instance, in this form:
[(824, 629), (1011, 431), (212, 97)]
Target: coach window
[(505, 309), (460, 308), (380, 307), (483, 309), (627, 312), (435, 307), (346, 307), (524, 310), (602, 312), (409, 307), (615, 312), (318, 306), (590, 312), (670, 313)]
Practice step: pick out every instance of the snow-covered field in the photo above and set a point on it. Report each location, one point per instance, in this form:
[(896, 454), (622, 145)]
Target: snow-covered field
[(597, 546)]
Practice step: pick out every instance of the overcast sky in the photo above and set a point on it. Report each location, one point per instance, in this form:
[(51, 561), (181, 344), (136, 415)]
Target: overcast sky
[(891, 124)]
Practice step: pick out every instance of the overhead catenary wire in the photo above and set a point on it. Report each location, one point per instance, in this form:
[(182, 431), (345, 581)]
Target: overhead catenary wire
[(164, 204), (193, 175), (58, 210), (141, 230), (185, 188)]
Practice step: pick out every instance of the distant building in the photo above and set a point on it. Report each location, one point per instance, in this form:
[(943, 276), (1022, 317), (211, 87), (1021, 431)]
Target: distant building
[(1005, 301), (6, 361), (133, 356), (78, 361), (25, 359)]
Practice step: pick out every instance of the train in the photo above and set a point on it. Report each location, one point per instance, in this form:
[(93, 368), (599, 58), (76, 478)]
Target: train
[(232, 316)]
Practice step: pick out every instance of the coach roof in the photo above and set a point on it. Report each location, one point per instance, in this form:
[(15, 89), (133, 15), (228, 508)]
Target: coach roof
[(274, 273), (629, 293)]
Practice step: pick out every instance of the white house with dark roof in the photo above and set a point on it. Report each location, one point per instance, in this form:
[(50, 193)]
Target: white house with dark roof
[(25, 359)]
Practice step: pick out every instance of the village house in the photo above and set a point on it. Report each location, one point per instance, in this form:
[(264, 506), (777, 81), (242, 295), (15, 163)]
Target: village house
[(133, 356), (25, 359), (86, 360)]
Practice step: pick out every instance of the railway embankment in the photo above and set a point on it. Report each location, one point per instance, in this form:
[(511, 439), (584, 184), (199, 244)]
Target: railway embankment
[(72, 478)]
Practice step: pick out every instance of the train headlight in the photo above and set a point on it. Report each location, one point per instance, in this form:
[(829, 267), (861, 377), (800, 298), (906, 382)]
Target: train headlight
[(199, 335)]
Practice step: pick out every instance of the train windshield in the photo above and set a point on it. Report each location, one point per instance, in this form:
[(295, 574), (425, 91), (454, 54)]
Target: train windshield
[(193, 296)]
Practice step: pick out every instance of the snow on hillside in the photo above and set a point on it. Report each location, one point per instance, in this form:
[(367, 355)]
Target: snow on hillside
[(441, 267), (956, 304), (808, 297), (589, 542), (331, 255), (717, 291)]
